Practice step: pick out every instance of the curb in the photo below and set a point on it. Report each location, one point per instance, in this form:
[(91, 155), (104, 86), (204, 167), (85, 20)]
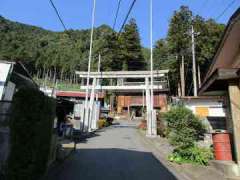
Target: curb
[(180, 175), (184, 171)]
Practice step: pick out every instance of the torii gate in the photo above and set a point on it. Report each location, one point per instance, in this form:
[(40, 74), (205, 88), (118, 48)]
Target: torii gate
[(161, 83), (149, 91)]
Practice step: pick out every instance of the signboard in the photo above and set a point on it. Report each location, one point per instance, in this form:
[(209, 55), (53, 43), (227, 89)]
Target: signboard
[(4, 70), (202, 111)]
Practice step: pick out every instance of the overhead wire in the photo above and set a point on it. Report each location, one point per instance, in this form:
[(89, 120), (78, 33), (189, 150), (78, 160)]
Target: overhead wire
[(126, 18), (58, 15), (225, 10), (117, 12)]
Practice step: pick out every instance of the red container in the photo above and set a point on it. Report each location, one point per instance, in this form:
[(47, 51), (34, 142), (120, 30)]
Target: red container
[(222, 146)]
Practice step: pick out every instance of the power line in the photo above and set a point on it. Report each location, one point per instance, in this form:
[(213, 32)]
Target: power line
[(223, 12), (58, 15), (126, 18), (116, 16)]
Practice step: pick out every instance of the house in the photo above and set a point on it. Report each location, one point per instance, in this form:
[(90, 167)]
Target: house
[(223, 79), (72, 103), (77, 95), (135, 101)]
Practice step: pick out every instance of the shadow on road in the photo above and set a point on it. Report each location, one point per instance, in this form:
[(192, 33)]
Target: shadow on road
[(109, 164)]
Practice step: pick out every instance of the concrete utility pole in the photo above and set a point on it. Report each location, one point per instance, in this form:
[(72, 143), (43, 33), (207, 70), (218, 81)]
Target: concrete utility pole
[(182, 72), (86, 108), (199, 77), (152, 131), (194, 63), (151, 58), (98, 80), (91, 106)]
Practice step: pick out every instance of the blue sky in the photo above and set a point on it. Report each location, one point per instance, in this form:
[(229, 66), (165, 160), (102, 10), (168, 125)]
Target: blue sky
[(77, 13)]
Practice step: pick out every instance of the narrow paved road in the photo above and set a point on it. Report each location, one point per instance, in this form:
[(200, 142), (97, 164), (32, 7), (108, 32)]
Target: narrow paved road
[(115, 153)]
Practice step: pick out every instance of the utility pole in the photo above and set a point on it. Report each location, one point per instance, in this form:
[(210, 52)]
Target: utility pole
[(98, 80), (199, 77), (194, 63), (86, 108), (151, 57), (152, 131), (179, 91), (182, 71), (99, 62), (151, 61)]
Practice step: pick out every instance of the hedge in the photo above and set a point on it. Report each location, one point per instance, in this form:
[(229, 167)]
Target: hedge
[(31, 125)]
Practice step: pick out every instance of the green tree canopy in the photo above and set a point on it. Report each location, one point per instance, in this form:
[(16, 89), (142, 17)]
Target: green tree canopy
[(131, 50), (168, 51)]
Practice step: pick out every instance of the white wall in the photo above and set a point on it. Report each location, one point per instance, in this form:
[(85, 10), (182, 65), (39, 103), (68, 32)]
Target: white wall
[(215, 107), (4, 70)]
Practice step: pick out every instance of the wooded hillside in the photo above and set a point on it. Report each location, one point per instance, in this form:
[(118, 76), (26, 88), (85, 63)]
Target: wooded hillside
[(58, 54)]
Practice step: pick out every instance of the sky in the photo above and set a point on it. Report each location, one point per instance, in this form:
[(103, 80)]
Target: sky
[(76, 14)]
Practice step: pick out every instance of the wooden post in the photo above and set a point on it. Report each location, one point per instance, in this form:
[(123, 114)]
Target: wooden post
[(234, 97)]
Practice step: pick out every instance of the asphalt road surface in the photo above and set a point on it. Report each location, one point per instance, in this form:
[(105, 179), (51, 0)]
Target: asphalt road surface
[(114, 153)]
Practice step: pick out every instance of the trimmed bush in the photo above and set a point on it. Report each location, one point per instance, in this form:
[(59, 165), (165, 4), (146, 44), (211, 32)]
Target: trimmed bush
[(184, 130), (31, 127)]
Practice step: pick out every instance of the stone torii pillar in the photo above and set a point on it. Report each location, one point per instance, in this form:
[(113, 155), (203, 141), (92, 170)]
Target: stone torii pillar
[(91, 119), (151, 117)]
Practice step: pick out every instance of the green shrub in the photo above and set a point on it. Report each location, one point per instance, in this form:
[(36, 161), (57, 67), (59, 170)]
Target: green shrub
[(184, 130), (31, 125), (194, 154)]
